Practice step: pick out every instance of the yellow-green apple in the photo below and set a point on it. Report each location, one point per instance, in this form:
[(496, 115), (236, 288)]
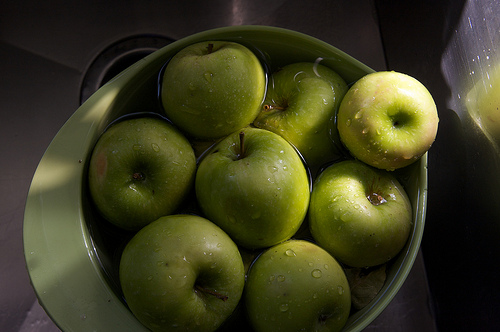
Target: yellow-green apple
[(387, 119), (140, 169), (210, 89), (483, 102), (297, 286), (301, 102), (254, 185), (359, 214), (182, 273)]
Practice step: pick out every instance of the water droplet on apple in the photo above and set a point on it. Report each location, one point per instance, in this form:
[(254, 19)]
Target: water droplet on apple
[(272, 277), (150, 278), (348, 122), (316, 273), (310, 263), (315, 295), (155, 147), (133, 186), (290, 253), (281, 278), (359, 114), (340, 289), (213, 265), (191, 86), (136, 147), (365, 130), (208, 76), (272, 169), (284, 307), (326, 266)]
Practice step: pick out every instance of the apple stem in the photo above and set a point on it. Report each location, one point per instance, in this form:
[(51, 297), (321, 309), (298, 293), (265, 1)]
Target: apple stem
[(376, 199), (268, 107), (210, 48), (137, 176), (211, 292), (242, 145)]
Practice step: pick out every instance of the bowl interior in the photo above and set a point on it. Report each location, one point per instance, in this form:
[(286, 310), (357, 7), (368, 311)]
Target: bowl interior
[(72, 255)]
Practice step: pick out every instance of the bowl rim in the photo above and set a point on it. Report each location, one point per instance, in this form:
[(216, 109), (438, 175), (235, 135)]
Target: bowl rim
[(60, 255)]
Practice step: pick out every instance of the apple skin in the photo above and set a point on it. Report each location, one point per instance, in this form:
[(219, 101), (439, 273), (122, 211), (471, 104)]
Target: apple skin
[(210, 94), (387, 120), (140, 169), (297, 286), (182, 272), (302, 99), (259, 197), (344, 221), (483, 102)]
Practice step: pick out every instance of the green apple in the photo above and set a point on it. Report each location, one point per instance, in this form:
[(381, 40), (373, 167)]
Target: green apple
[(140, 169), (254, 185), (359, 214), (182, 273), (301, 101), (213, 88), (297, 286), (387, 120), (483, 102)]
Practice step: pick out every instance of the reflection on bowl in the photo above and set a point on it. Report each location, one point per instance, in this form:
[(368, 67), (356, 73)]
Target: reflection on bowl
[(72, 256)]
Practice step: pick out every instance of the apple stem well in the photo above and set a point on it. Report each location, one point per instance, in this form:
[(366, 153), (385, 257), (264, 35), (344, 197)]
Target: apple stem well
[(376, 199), (269, 107), (210, 48), (204, 290), (138, 176)]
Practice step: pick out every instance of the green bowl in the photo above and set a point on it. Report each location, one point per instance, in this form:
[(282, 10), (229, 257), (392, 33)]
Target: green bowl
[(72, 261)]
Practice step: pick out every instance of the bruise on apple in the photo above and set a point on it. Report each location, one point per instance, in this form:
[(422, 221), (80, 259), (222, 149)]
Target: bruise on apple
[(102, 164)]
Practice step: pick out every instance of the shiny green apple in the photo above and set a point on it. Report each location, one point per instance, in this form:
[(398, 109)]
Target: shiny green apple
[(387, 120), (140, 169), (359, 214), (210, 89), (483, 104), (254, 185), (182, 273), (300, 104), (297, 286)]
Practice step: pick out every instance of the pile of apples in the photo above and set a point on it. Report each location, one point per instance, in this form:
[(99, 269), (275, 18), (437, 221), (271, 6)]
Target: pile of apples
[(293, 186)]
